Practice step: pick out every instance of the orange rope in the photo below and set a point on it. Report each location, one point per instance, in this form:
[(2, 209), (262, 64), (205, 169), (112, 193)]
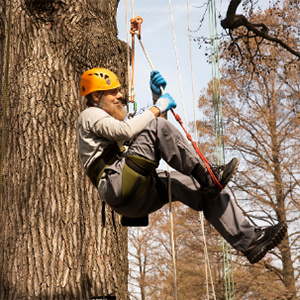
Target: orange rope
[(136, 23), (205, 161)]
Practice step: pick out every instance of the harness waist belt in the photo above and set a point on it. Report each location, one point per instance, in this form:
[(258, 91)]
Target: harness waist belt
[(108, 157)]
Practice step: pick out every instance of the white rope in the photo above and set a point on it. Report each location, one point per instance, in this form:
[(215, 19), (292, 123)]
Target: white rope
[(172, 235), (177, 62), (207, 262), (169, 197), (207, 266), (132, 8), (128, 53), (192, 73)]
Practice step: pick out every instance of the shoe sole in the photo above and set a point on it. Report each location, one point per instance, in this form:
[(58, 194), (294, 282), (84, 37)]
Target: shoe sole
[(274, 242)]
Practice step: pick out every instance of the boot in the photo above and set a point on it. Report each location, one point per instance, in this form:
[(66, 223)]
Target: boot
[(223, 173), (265, 240)]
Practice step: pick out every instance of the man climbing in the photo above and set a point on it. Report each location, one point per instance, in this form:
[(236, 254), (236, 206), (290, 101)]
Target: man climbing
[(127, 179)]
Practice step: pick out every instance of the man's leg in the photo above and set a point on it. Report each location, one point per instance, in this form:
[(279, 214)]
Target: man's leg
[(222, 213), (227, 218), (160, 139)]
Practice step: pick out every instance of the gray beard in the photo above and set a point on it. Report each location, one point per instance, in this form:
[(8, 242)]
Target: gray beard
[(116, 111)]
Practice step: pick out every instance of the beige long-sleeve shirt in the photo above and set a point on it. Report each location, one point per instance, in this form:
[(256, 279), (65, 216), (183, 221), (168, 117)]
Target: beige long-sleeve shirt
[(96, 129)]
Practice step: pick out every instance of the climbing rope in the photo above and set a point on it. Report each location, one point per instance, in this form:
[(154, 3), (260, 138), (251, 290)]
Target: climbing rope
[(177, 60), (178, 119), (136, 27), (131, 60), (5, 99), (136, 23), (208, 272), (207, 265), (130, 92), (192, 72), (219, 134)]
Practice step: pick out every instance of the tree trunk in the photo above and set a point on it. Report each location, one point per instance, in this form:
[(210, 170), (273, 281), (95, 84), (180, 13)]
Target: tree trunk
[(58, 240)]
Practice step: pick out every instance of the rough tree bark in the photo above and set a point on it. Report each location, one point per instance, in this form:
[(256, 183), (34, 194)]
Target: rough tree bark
[(57, 240)]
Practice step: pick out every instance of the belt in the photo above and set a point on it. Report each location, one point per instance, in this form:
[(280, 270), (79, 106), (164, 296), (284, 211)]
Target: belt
[(107, 158)]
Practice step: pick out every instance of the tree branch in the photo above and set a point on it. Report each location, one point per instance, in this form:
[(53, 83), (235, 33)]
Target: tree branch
[(233, 21)]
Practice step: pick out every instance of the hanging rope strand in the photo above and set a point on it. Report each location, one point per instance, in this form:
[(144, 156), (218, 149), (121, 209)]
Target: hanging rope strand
[(220, 148), (207, 266), (172, 235), (177, 61), (192, 72), (128, 53), (209, 277)]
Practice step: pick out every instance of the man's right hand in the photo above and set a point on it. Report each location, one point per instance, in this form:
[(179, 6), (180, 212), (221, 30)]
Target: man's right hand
[(164, 103)]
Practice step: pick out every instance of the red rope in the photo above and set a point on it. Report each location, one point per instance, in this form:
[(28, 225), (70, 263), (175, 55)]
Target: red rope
[(205, 161)]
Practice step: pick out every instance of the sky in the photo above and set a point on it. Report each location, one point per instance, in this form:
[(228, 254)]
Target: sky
[(157, 38)]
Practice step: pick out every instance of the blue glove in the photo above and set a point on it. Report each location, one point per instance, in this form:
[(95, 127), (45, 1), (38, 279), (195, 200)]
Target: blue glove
[(157, 81), (164, 103)]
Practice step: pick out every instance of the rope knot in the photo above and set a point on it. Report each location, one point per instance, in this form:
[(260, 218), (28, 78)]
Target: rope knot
[(177, 117), (136, 23)]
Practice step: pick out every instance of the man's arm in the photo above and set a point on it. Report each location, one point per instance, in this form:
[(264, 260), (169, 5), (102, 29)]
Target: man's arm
[(155, 111)]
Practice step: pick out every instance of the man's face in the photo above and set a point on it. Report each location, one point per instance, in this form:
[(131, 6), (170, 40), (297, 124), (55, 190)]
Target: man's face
[(111, 102)]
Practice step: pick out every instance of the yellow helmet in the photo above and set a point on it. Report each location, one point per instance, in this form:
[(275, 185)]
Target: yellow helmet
[(98, 79)]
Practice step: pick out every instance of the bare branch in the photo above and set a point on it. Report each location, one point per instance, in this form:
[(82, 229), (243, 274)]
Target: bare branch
[(233, 21)]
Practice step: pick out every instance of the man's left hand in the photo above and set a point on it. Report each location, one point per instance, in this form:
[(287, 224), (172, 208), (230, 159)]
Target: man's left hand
[(157, 81)]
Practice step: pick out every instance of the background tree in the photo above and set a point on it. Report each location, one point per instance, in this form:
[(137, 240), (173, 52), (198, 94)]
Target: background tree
[(143, 247), (257, 30), (151, 251), (57, 239), (260, 97)]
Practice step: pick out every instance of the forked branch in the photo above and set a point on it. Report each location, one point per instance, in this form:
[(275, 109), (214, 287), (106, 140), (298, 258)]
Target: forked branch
[(233, 21)]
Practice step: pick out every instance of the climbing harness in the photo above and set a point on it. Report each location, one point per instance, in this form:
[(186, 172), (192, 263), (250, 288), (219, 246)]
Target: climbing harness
[(107, 158), (5, 99)]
